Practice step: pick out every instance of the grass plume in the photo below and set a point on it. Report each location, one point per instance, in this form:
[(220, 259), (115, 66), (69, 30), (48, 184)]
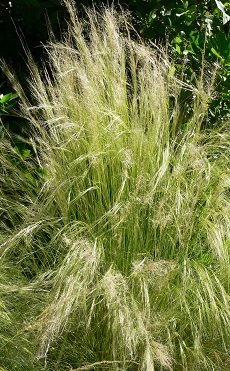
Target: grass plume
[(122, 245)]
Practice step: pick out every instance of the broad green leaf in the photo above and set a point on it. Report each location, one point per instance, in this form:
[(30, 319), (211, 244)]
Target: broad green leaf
[(216, 53), (8, 97), (178, 49), (25, 153), (29, 176), (178, 40)]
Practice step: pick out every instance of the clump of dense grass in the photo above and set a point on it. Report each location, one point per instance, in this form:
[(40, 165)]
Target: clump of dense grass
[(121, 249)]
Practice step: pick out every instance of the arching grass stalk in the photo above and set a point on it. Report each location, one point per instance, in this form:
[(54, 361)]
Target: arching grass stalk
[(123, 243)]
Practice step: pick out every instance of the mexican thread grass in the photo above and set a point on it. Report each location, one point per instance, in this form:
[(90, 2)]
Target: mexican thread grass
[(117, 257)]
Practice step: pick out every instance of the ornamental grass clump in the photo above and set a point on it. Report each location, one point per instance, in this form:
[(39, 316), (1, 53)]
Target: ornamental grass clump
[(117, 225)]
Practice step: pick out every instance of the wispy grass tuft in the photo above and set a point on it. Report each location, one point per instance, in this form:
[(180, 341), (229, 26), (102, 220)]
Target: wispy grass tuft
[(121, 245)]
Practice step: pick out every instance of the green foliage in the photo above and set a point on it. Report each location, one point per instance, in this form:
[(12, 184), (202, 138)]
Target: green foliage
[(21, 150), (7, 102), (193, 29), (122, 250)]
